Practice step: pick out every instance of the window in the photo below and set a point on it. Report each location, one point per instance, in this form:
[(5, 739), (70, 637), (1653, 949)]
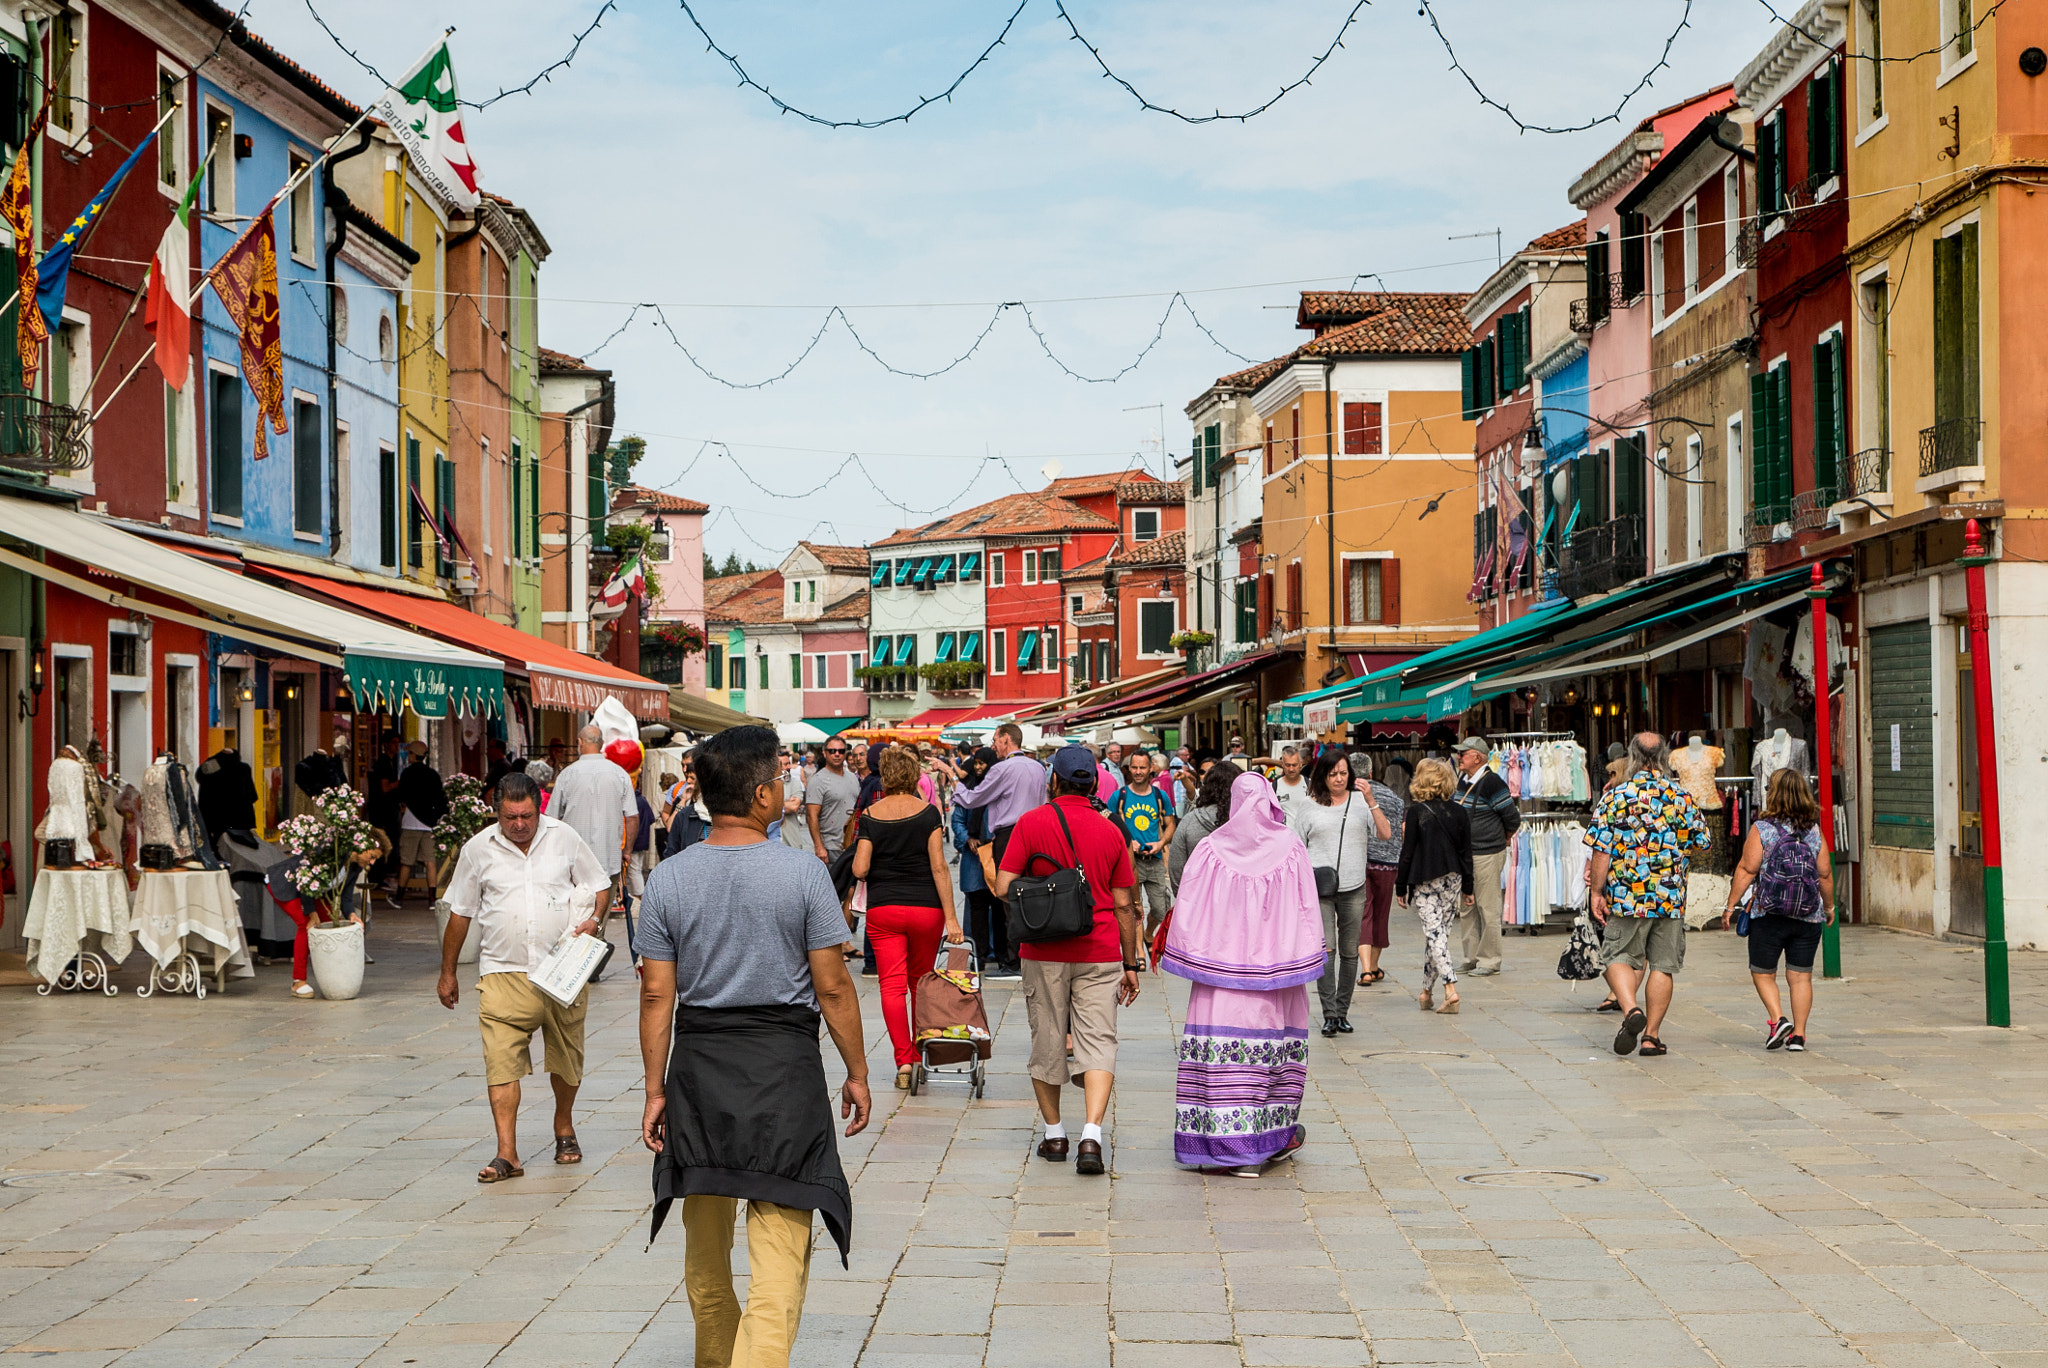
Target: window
[(1635, 237), (414, 552), (124, 653), (1295, 601), (224, 437), (1830, 417), (1955, 330), (1362, 429), (1695, 498), (167, 83), (1031, 567), (1049, 565), (515, 489), (1158, 619), (714, 663), (995, 568), (796, 671), (174, 445), (818, 672), (483, 494), (308, 478), (1144, 525), (532, 477), (1874, 428), (1691, 248), (304, 228), (387, 505), (1732, 482), (1074, 604), (436, 264), (1824, 124), (1105, 661), (1770, 168), (1963, 45), (1246, 599), (1050, 657), (67, 55), (1728, 226), (1269, 426), (736, 672), (998, 650), (70, 363), (1597, 287), (444, 515), (1870, 71), (220, 161), (1364, 586), (1770, 399)]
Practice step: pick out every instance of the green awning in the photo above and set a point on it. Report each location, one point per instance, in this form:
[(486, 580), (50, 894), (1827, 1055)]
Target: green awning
[(968, 563), (905, 646), (924, 567), (939, 570), (832, 726), (1027, 648), (945, 651), (903, 569), (384, 683), (881, 656), (970, 649), (881, 573)]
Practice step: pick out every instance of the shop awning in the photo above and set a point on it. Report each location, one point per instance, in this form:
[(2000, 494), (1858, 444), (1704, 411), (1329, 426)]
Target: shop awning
[(1174, 693), (949, 717), (384, 664), (559, 677), (832, 726), (703, 717)]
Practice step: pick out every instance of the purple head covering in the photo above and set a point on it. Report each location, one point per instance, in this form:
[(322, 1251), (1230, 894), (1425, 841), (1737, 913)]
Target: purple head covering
[(1247, 915)]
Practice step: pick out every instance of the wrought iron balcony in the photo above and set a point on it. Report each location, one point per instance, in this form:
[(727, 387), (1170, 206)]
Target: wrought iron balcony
[(38, 435), (1869, 471), (1950, 445), (1810, 507), (1581, 315), (1749, 240), (1764, 521), (663, 664), (1603, 558)]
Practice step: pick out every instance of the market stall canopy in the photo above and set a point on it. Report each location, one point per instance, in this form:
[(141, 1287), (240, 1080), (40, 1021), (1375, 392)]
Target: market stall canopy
[(703, 717), (385, 665), (559, 677), (1164, 698), (799, 734)]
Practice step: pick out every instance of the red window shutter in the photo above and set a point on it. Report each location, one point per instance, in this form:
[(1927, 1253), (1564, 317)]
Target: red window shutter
[(1354, 429), (1374, 441), (1390, 591), (1265, 605)]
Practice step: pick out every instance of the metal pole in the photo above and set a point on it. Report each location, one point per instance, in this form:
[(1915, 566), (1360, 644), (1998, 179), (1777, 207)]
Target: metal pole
[(1997, 985), (1823, 751)]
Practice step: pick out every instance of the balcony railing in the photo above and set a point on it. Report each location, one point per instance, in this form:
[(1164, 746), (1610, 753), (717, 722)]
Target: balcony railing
[(38, 435), (1764, 521), (1810, 507), (663, 664), (1870, 471), (1603, 558), (1749, 240), (1581, 315), (1950, 445)]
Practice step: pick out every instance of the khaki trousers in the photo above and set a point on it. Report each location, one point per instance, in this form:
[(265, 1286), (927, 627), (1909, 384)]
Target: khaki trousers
[(778, 1272), (1479, 924)]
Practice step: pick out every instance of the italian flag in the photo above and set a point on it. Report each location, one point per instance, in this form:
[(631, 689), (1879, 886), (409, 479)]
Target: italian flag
[(168, 315), (424, 113), (628, 580)]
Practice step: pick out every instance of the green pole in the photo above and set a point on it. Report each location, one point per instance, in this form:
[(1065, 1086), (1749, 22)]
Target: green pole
[(1997, 982)]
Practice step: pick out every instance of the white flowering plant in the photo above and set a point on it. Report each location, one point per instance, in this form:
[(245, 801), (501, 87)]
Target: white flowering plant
[(326, 840), (468, 814)]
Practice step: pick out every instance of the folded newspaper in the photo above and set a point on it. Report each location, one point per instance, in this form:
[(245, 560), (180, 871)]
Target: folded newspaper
[(570, 965)]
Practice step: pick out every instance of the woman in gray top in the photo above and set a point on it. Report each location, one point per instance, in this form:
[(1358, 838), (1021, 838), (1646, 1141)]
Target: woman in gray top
[(1335, 824), (1382, 856), (1209, 809)]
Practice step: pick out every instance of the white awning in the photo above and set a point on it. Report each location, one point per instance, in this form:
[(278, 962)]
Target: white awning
[(384, 662)]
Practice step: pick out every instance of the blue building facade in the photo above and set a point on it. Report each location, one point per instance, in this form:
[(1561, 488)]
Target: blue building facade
[(287, 500), (371, 266)]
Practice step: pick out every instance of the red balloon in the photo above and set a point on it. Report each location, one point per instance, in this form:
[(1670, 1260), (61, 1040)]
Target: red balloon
[(625, 753)]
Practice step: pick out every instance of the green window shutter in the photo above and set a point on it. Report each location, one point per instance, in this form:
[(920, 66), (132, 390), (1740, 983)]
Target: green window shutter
[(1522, 332), (1212, 453), (597, 501), (533, 507), (1489, 352), (1839, 356), (1468, 381), (1816, 125), (516, 488), (1781, 482), (1759, 440), (413, 552), (1824, 455), (1195, 466), (1967, 319), (444, 512)]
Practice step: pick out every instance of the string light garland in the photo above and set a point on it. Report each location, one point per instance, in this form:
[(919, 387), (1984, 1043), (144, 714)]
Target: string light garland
[(1428, 11), (546, 73), (1877, 59)]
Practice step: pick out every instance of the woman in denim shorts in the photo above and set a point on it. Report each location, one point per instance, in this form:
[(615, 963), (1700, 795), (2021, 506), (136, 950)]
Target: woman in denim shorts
[(1786, 915)]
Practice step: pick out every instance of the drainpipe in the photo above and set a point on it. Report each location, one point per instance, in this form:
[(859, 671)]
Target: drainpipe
[(1997, 987), (1330, 507), (338, 234)]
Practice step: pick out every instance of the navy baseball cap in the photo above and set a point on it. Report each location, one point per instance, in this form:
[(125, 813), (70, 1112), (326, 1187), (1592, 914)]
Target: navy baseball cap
[(1073, 762)]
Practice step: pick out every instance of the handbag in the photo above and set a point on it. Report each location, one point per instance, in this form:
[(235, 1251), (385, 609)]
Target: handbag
[(1326, 875), (1058, 906), (1581, 958)]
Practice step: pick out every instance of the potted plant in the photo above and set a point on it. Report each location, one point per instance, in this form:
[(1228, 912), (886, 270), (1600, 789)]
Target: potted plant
[(327, 840), (951, 676), (1188, 641), (467, 815)]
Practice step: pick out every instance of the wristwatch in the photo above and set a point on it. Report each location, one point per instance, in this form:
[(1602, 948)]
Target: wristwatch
[(1134, 968)]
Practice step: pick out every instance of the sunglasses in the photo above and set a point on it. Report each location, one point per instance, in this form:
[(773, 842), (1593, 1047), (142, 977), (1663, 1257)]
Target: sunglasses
[(835, 750)]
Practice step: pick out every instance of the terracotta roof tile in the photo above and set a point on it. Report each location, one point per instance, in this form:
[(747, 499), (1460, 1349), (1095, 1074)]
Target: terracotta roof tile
[(722, 587), (1076, 486), (1170, 549), (552, 360), (853, 559), (759, 604), (639, 496), (1365, 322), (1150, 491), (854, 605), (223, 17), (1251, 377), (1012, 515), (1560, 239)]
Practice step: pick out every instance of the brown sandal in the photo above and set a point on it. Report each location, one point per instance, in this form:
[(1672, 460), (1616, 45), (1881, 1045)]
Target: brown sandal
[(498, 1170), (567, 1151)]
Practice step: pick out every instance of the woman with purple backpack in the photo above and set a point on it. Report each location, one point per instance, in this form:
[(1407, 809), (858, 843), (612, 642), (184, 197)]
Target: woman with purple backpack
[(1786, 870)]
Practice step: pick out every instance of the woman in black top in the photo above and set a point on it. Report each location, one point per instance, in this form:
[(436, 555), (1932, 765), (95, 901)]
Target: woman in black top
[(901, 852), (1435, 873)]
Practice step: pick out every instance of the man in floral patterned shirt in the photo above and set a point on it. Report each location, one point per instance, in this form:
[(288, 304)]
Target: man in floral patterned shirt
[(1642, 833)]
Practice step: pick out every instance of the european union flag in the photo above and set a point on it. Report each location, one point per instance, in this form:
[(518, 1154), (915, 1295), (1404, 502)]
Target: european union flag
[(53, 273)]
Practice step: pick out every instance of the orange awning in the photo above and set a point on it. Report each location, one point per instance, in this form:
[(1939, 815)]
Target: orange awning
[(559, 677)]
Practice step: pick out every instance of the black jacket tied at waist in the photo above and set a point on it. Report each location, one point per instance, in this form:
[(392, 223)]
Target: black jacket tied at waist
[(749, 1115)]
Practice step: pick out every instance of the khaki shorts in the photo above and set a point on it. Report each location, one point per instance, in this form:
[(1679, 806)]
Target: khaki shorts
[(510, 1009), (1632, 940), (416, 848), (1077, 999)]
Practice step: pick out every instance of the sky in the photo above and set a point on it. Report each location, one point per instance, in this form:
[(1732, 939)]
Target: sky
[(658, 179)]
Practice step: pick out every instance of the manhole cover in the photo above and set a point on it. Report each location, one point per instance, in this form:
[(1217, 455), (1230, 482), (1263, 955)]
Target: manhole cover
[(353, 1058), (1532, 1178), (59, 1180), (1395, 1054)]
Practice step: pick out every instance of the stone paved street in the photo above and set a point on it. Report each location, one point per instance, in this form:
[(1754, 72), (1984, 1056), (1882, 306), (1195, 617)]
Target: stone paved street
[(255, 1180)]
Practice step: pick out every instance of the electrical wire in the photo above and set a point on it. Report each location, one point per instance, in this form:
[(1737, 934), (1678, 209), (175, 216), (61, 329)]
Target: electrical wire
[(1428, 11), (546, 73), (1877, 59)]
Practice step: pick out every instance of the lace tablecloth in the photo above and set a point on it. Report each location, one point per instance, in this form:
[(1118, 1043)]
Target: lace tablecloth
[(68, 905), (198, 905)]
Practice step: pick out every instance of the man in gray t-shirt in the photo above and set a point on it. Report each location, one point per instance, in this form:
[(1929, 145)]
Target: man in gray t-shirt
[(829, 800), (739, 923), (595, 798)]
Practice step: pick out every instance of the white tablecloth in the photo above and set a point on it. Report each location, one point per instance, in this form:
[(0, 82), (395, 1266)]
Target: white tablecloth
[(65, 906), (174, 905)]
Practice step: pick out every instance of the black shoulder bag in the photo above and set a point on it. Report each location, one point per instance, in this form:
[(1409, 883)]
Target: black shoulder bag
[(1326, 875), (1058, 906)]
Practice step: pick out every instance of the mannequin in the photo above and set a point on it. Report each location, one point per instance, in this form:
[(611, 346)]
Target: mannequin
[(1696, 764), (156, 803), (68, 818), (1781, 750)]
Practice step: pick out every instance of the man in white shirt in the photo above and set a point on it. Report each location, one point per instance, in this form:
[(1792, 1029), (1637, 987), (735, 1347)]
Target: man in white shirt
[(1290, 787), (595, 797), (524, 882), (792, 828)]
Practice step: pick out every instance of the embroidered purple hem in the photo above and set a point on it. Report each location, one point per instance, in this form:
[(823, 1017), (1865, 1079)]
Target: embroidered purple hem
[(1244, 977), (1231, 1151)]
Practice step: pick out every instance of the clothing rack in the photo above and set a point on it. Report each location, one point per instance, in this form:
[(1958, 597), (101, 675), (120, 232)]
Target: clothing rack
[(1533, 736)]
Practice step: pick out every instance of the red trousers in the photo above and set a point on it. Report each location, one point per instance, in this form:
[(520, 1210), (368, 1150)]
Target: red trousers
[(295, 908), (906, 941)]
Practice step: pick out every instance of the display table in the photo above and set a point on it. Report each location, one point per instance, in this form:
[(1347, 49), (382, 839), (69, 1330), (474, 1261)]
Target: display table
[(73, 914), (181, 914)]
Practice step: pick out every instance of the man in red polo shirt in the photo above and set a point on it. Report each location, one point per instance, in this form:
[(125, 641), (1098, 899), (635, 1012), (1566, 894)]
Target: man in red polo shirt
[(1074, 986)]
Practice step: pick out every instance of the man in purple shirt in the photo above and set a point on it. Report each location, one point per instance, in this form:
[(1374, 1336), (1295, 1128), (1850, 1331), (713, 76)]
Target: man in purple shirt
[(1013, 786)]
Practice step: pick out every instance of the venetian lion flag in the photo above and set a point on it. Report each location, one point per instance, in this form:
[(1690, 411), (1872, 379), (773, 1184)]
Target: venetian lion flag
[(245, 278), (18, 211), (168, 315), (425, 114)]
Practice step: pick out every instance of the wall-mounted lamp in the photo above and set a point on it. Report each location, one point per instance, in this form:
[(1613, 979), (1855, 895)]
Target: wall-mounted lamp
[(248, 692), (291, 693), (30, 703)]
